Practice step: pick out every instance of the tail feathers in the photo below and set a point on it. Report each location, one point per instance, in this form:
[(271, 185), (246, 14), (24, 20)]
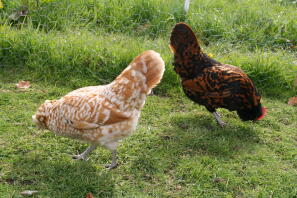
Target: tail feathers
[(183, 40), (151, 65), (155, 68)]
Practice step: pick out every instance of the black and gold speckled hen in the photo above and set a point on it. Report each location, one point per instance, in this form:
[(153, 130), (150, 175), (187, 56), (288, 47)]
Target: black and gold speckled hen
[(211, 83)]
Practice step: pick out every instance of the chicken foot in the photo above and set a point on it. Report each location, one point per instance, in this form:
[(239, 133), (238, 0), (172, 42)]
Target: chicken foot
[(83, 155)]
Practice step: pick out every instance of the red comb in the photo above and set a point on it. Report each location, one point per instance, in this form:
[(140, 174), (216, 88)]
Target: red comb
[(264, 112)]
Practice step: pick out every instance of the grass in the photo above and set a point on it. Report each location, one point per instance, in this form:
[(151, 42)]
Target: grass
[(177, 150), (85, 58), (254, 22)]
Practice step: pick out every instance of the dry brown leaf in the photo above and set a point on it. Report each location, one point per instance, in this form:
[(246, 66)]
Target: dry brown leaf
[(89, 195), (292, 101), (23, 84), (29, 192)]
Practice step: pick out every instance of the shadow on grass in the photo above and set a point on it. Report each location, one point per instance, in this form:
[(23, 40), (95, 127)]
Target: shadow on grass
[(192, 136), (203, 135), (60, 178)]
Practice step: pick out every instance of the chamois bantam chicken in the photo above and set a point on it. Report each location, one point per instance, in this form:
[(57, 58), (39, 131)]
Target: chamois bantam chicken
[(104, 115), (211, 83)]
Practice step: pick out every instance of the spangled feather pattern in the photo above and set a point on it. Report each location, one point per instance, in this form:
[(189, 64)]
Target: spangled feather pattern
[(209, 82)]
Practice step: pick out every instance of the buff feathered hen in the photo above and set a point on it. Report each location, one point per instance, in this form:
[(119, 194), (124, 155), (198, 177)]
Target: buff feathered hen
[(104, 115)]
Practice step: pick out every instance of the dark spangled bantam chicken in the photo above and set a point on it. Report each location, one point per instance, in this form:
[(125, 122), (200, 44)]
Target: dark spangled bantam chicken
[(211, 83)]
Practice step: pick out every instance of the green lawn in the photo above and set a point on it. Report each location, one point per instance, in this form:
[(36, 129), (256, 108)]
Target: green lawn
[(178, 150)]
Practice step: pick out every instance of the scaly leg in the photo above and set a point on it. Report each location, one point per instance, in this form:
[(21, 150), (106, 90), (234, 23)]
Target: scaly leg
[(114, 161), (112, 146), (83, 155), (218, 119)]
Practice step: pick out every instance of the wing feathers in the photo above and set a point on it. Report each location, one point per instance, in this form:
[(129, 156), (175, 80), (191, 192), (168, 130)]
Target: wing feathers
[(85, 112), (80, 124)]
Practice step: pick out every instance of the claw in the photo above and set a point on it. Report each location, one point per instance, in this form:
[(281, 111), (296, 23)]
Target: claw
[(79, 157), (222, 124), (114, 163), (111, 166), (83, 156)]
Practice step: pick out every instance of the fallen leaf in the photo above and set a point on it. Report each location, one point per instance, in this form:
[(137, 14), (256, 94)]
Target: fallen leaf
[(23, 84), (89, 195), (29, 192), (292, 101)]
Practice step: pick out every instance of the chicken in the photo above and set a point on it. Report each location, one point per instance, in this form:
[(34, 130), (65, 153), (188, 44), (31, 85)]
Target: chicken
[(104, 115), (211, 83)]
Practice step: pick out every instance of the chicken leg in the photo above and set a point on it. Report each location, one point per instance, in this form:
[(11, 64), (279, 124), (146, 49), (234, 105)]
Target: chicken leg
[(218, 119), (114, 161), (83, 155)]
